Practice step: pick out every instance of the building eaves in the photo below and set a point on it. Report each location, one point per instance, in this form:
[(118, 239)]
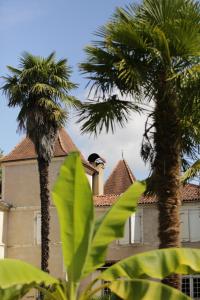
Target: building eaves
[(189, 193), (25, 150)]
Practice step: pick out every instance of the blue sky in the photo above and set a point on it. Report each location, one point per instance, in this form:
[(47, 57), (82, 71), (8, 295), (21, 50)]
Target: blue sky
[(66, 27)]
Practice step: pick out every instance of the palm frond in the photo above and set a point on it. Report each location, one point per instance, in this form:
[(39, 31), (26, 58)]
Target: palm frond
[(191, 172), (14, 70), (51, 57), (103, 115), (141, 48)]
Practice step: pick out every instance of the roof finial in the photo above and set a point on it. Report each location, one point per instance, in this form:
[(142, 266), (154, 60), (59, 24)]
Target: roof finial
[(122, 154)]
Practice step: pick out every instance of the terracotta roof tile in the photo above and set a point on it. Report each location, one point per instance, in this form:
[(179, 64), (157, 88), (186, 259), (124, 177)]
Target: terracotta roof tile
[(120, 179), (26, 150), (189, 193), (105, 200)]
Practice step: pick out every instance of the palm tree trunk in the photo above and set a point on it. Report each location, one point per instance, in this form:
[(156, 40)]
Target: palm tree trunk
[(167, 175), (43, 167)]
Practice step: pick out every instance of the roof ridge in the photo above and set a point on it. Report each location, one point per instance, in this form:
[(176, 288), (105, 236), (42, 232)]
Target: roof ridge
[(60, 142), (15, 147), (113, 171), (132, 177)]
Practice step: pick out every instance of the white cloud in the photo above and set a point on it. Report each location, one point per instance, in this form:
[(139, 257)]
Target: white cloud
[(110, 146)]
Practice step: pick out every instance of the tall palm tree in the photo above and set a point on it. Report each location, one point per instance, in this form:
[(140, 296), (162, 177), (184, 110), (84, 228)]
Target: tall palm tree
[(151, 51), (39, 87)]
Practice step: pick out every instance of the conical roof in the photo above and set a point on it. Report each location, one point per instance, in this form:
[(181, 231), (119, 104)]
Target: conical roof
[(120, 179), (25, 149)]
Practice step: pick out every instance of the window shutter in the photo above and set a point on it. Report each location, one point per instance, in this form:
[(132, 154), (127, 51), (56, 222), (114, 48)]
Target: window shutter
[(125, 239), (136, 235), (184, 224), (194, 222), (38, 228)]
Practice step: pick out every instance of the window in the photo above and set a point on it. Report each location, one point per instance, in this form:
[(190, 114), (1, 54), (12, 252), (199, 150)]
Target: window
[(194, 225), (132, 230), (190, 224), (37, 228), (184, 223), (105, 291), (191, 286)]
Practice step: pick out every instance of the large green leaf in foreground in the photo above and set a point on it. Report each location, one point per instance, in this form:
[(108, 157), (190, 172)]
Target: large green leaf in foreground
[(146, 290), (15, 292), (72, 197), (111, 226), (15, 272), (155, 264)]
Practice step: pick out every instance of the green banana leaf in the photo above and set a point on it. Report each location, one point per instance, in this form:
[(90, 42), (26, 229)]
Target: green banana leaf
[(155, 264), (72, 197), (145, 289), (15, 272), (111, 226), (17, 278), (15, 292)]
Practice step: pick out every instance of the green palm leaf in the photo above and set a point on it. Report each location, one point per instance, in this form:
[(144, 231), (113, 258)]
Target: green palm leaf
[(191, 172)]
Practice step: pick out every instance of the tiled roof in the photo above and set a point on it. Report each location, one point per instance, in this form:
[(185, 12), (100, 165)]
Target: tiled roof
[(105, 200), (189, 193), (120, 179), (26, 150)]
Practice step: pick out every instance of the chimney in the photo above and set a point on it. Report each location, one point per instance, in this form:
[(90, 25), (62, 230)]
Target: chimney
[(98, 178)]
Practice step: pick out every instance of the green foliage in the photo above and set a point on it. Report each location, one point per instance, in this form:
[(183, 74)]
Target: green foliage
[(73, 199), (17, 278), (138, 289), (143, 52), (191, 172), (166, 261), (40, 88), (84, 239), (111, 226), (102, 113)]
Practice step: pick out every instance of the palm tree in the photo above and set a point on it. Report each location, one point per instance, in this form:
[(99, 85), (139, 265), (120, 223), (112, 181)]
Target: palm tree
[(40, 89), (151, 51)]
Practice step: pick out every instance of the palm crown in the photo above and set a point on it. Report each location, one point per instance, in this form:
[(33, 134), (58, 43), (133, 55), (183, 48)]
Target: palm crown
[(40, 88), (139, 51)]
